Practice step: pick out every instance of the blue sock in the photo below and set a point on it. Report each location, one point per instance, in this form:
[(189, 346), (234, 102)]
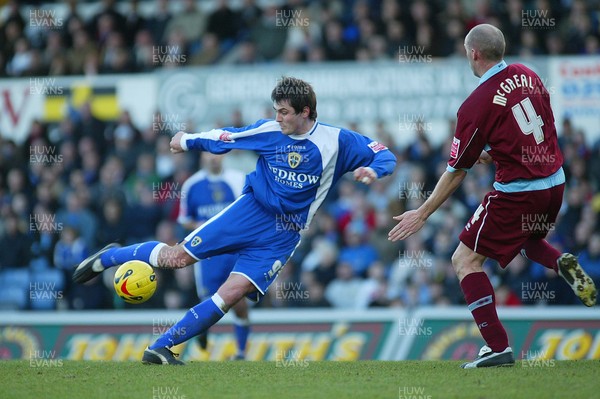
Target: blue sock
[(241, 335), (118, 256), (196, 320)]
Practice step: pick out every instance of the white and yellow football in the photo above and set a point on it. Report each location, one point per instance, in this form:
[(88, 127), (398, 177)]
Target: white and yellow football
[(135, 281)]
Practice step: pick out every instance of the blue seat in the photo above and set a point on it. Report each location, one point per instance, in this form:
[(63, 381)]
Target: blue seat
[(15, 288), (12, 298), (46, 288)]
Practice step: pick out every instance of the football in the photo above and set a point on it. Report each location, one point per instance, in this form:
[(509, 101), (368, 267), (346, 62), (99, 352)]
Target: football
[(135, 281)]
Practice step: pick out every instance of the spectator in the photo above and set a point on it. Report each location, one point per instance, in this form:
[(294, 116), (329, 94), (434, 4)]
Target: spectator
[(69, 251), (357, 252), (79, 218), (157, 23), (590, 257), (190, 23), (343, 291), (14, 243)]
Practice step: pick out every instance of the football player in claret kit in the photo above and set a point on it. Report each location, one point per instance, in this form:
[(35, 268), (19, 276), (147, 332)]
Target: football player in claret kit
[(508, 120), (300, 159), (203, 195)]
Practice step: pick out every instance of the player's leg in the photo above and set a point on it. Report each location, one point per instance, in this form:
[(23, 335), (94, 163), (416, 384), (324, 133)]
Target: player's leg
[(198, 319), (221, 234), (210, 274), (203, 294), (566, 265), (241, 327), (155, 253), (480, 298)]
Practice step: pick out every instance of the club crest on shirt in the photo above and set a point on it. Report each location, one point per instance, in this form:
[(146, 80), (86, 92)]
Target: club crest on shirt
[(218, 195), (294, 159), (196, 241), (454, 148)]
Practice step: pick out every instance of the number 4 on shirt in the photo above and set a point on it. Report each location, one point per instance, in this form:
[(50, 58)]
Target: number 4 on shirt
[(529, 121)]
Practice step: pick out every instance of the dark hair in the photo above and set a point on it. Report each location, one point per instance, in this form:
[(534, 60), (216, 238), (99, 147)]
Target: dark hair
[(299, 93)]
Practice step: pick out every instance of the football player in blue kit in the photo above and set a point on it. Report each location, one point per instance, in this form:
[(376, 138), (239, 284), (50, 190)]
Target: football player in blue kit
[(300, 159), (203, 195)]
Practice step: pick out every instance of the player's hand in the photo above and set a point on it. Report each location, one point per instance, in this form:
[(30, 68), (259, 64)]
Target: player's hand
[(484, 158), (365, 175), (175, 143), (408, 223)]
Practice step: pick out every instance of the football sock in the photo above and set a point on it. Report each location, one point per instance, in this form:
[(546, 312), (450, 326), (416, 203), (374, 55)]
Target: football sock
[(242, 330), (481, 300), (196, 320), (541, 252), (144, 251)]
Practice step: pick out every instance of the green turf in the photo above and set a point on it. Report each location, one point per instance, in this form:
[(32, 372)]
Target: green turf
[(264, 380)]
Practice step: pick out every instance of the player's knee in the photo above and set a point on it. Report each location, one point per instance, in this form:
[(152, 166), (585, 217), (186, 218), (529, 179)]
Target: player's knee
[(234, 290), (460, 262)]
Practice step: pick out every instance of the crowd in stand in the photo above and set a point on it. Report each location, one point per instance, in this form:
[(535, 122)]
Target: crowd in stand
[(73, 187), (124, 39)]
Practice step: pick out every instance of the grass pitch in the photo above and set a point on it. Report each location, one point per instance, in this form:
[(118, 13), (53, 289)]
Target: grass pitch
[(306, 379)]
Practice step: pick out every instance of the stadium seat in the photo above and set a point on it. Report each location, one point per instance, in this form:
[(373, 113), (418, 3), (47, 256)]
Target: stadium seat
[(47, 287), (15, 288)]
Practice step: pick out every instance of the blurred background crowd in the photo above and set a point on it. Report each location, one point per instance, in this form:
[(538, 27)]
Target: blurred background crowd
[(75, 186), (120, 37)]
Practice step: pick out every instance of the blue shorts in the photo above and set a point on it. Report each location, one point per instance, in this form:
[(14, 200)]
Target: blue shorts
[(245, 228), (211, 273)]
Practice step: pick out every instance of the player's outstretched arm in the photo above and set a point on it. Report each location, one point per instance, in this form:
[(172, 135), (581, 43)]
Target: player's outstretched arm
[(412, 221)]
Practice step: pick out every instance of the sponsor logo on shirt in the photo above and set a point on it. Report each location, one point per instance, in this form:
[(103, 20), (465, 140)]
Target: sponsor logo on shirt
[(454, 148), (376, 147), (293, 179)]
